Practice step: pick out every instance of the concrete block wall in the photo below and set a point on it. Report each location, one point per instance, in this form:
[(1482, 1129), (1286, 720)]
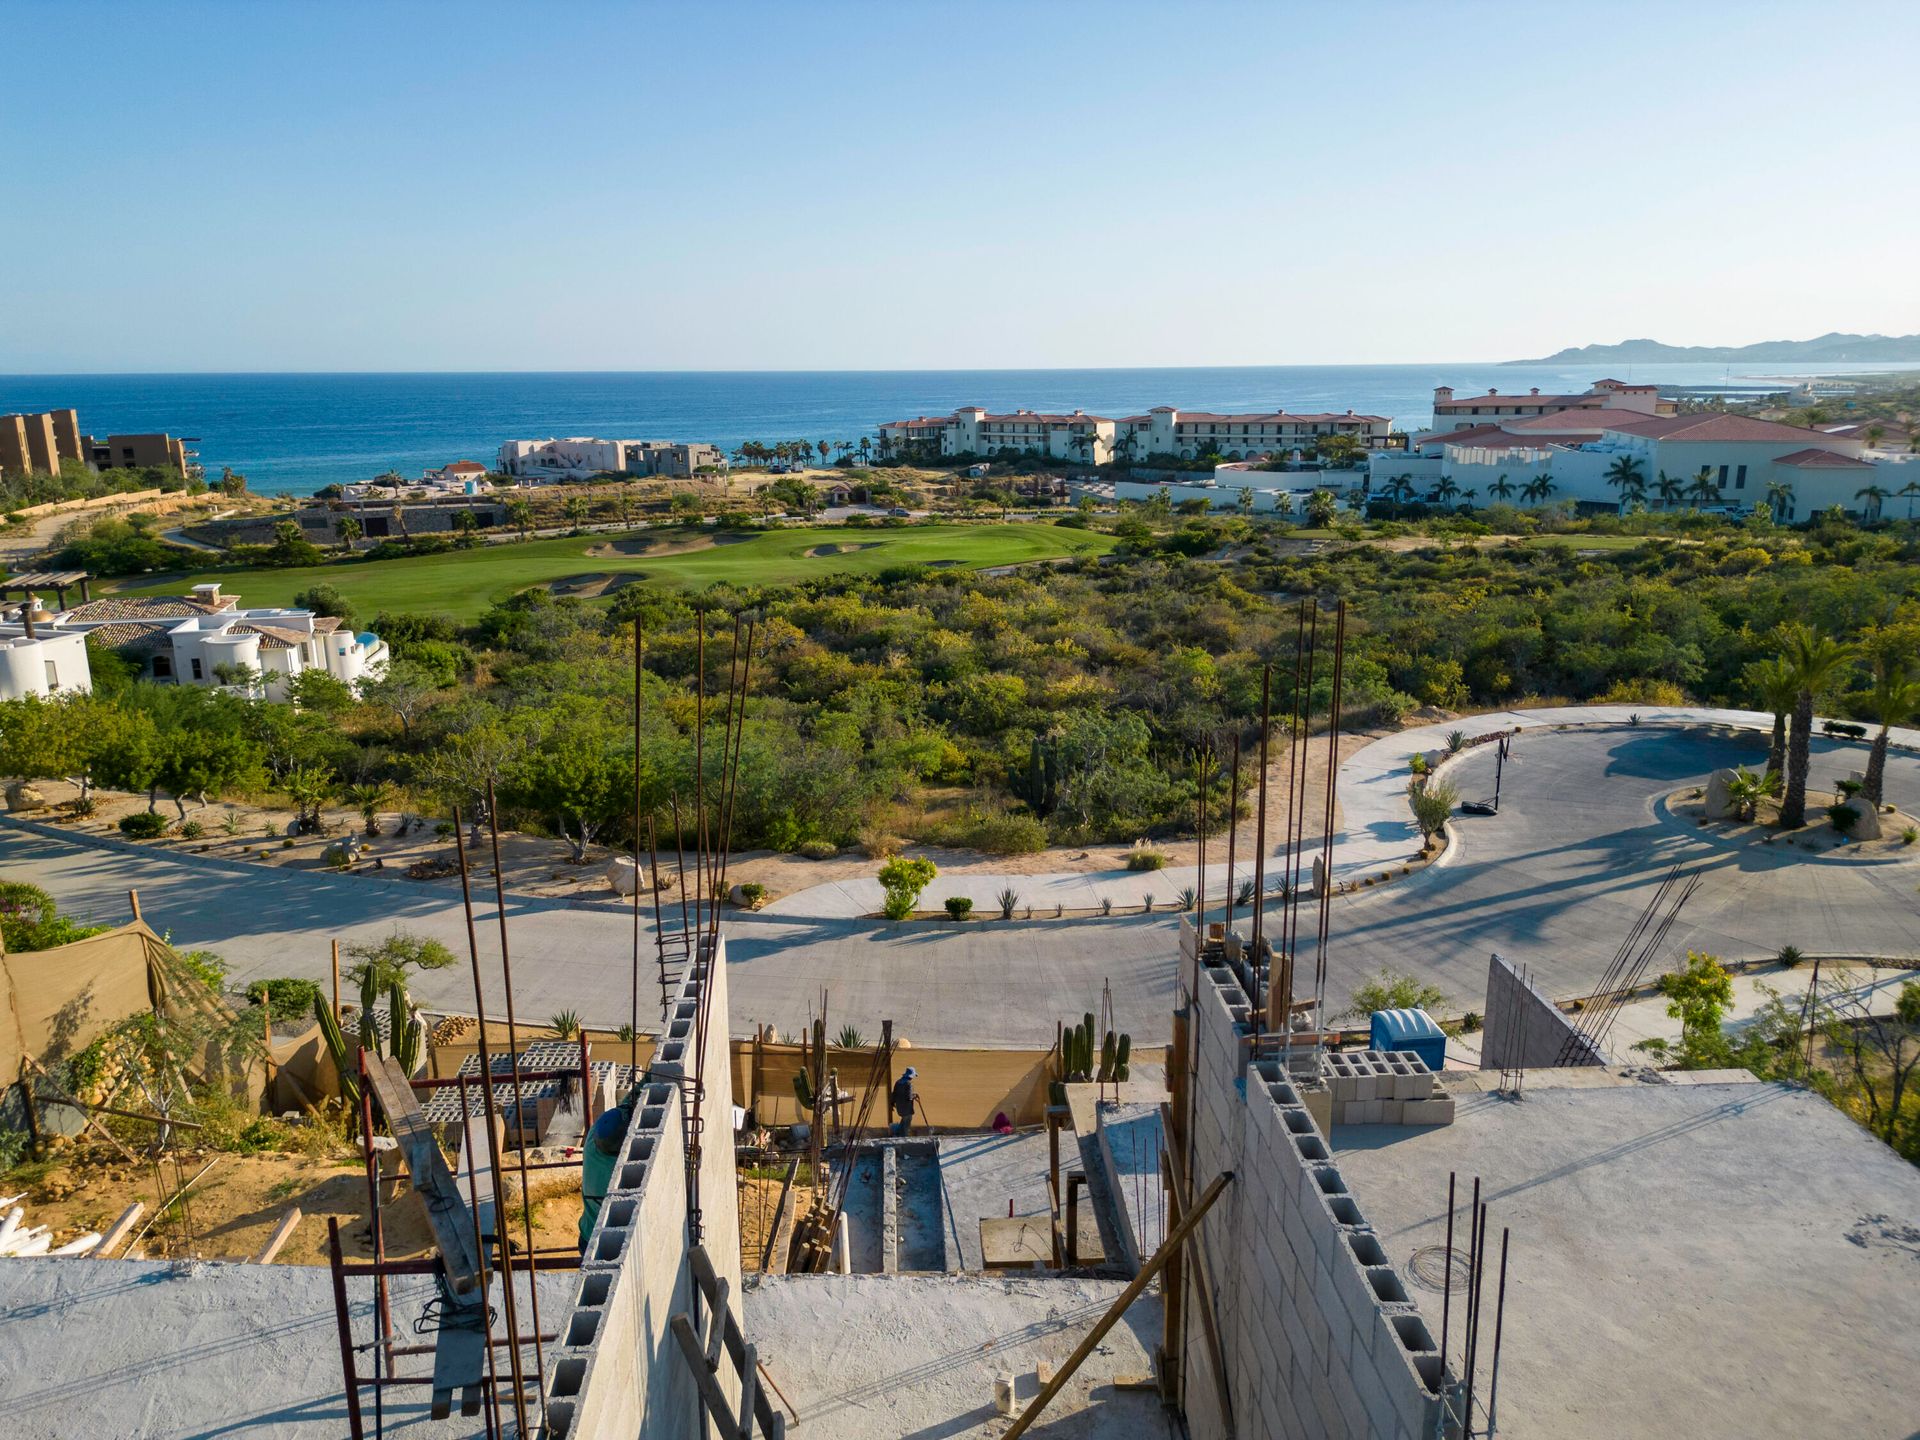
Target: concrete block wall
[(615, 1369), (1318, 1334), (1524, 1028)]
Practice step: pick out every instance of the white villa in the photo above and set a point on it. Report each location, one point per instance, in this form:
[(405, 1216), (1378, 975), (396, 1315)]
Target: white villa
[(1618, 444), (198, 639), (1163, 430), (580, 457)]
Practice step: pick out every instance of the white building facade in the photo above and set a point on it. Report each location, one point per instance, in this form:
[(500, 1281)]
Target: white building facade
[(1163, 431), (580, 457)]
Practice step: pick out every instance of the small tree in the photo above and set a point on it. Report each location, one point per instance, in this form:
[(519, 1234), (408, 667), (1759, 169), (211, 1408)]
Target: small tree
[(903, 880), (1392, 989), (1432, 802), (1698, 995), (1321, 509), (348, 529)]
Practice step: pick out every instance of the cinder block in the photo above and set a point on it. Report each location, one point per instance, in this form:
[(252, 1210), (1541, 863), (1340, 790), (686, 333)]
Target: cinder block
[(1366, 1087), (1390, 1110), (1366, 1112), (1435, 1111)]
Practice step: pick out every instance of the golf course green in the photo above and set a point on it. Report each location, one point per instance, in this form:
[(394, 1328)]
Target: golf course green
[(463, 583)]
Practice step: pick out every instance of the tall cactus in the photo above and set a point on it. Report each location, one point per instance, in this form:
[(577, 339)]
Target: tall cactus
[(348, 1072)]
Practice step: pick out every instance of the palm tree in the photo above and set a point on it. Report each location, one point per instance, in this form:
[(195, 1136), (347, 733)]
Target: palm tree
[(1894, 700), (1467, 498), (1398, 491), (1445, 490), (348, 530), (1816, 661), (1538, 489), (865, 447), (1703, 489), (1670, 489), (1628, 474), (1503, 488), (1874, 495), (399, 513), (1779, 498), (520, 514), (1773, 684)]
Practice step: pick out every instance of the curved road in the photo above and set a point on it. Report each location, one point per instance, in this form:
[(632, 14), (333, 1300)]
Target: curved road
[(1553, 881)]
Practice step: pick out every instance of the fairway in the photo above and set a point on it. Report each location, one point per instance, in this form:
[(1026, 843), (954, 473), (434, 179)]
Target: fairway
[(463, 583)]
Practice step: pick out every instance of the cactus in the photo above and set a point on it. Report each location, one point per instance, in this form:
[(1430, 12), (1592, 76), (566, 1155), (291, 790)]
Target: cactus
[(1107, 1046), (803, 1091), (404, 1025), (1040, 786), (336, 1044), (1080, 1062)]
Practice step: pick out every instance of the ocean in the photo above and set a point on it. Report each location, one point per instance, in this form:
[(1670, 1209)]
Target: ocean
[(292, 434)]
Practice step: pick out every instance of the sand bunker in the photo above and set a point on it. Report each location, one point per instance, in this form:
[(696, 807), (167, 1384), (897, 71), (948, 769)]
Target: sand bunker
[(663, 543), (822, 552), (592, 584)]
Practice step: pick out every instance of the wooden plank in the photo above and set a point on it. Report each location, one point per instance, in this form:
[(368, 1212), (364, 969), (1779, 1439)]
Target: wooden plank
[(459, 1361), (717, 1408), (748, 1377), (473, 1142), (717, 1322), (281, 1233), (773, 1261), (118, 1231), (708, 1279), (427, 1169)]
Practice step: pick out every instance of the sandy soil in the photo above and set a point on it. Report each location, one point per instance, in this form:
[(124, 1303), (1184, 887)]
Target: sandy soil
[(235, 1207)]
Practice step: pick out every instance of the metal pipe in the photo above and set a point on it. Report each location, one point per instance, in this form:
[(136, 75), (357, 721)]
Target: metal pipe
[(486, 1091), (520, 1106)]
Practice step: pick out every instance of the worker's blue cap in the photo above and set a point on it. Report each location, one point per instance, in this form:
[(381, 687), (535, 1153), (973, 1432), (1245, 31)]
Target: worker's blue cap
[(911, 1072)]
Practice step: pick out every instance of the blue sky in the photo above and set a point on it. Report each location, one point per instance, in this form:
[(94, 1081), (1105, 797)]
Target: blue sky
[(287, 186)]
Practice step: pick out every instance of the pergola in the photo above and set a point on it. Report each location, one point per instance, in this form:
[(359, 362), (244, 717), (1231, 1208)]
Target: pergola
[(58, 581)]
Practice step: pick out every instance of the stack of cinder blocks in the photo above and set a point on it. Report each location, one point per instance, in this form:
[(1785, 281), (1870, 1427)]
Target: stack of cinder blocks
[(1385, 1087)]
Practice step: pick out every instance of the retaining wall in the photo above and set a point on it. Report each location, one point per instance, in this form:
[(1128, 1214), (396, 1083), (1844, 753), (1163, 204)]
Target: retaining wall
[(1317, 1334), (1524, 1028), (616, 1369)]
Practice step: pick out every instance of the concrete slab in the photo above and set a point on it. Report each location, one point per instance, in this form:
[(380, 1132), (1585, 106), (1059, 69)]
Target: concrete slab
[(1741, 1255), (172, 1351), (868, 1357)]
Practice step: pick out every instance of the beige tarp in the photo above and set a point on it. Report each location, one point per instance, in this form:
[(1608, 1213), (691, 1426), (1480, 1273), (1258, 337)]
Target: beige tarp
[(55, 1003)]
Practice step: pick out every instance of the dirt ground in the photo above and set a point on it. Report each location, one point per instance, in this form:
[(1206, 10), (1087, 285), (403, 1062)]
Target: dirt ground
[(232, 1210)]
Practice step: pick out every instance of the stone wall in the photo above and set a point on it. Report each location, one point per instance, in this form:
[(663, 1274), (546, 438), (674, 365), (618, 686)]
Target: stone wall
[(1524, 1028), (1317, 1334), (616, 1369)]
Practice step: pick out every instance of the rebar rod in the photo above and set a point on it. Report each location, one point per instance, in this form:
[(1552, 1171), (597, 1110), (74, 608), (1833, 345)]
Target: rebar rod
[(1297, 805), (1499, 1324), (508, 1306), (699, 776), (491, 1414), (1233, 831), (1258, 928), (1200, 850), (519, 1105), (633, 1016), (1446, 1289), (1333, 788)]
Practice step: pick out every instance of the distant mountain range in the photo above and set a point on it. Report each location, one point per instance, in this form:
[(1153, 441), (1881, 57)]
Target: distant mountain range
[(1834, 347)]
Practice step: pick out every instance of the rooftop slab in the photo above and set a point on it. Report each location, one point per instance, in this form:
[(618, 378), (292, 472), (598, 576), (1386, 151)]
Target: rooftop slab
[(1736, 1258), (171, 1351), (872, 1357)]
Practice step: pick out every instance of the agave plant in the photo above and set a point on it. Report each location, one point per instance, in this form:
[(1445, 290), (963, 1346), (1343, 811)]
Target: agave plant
[(1007, 899), (565, 1025)]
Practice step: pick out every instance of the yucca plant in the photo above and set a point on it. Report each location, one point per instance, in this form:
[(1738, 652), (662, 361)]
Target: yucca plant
[(565, 1025), (1007, 899)]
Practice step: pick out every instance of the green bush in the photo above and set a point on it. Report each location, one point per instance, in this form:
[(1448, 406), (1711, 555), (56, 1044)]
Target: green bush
[(903, 880), (1390, 989), (286, 997), (1909, 835), (959, 906), (993, 832), (818, 849), (1145, 860), (1842, 818), (752, 893), (192, 830), (144, 825)]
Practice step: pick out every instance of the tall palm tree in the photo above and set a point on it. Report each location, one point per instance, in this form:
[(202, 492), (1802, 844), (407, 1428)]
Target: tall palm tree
[(1445, 490), (1779, 498), (1894, 700), (1703, 490), (1669, 488), (1467, 498), (1816, 661), (1774, 685), (1398, 491), (520, 513), (348, 529), (1539, 488), (1874, 496), (1503, 488), (1627, 473)]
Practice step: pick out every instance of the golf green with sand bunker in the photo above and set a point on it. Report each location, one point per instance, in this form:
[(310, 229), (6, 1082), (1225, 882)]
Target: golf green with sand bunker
[(463, 583)]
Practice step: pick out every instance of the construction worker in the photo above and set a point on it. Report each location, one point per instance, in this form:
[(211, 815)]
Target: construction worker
[(902, 1101), (598, 1154)]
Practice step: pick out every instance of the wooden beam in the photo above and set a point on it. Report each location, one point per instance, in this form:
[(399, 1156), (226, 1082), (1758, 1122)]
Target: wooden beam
[(118, 1230), (1168, 1248), (281, 1234), (704, 1275), (427, 1169), (1209, 1322), (718, 1410)]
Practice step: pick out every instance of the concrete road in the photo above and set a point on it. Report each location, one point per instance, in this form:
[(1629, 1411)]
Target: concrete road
[(1553, 881), (990, 985)]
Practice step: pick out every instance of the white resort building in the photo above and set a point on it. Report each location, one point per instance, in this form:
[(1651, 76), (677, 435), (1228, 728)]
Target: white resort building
[(1617, 445), (1098, 439), (580, 457), (203, 638)]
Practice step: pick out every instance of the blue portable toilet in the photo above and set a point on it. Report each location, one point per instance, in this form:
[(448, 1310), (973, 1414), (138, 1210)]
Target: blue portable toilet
[(1413, 1030)]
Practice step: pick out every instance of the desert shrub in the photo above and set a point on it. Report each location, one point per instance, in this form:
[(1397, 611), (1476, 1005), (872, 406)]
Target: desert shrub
[(959, 906), (752, 893), (1391, 989), (993, 832), (144, 825), (1909, 835), (903, 880), (1842, 818), (1141, 859)]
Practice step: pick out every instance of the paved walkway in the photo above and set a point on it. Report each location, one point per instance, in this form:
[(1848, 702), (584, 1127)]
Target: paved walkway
[(1378, 833)]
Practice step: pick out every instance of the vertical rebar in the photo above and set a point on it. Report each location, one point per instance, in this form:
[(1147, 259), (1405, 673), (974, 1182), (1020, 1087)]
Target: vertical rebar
[(491, 1408), (1258, 931), (1446, 1290), (1473, 1301), (699, 777), (1499, 1324), (508, 1307), (1333, 786), (633, 1019), (1233, 830), (1200, 850), (519, 1112)]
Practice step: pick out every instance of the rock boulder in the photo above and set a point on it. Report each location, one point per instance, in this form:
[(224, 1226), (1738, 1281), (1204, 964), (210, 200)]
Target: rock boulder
[(1720, 804)]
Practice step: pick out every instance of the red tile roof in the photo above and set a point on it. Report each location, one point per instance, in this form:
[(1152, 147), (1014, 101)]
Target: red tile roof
[(1582, 420), (465, 467), (1461, 436), (1463, 402), (1726, 429), (1816, 459)]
